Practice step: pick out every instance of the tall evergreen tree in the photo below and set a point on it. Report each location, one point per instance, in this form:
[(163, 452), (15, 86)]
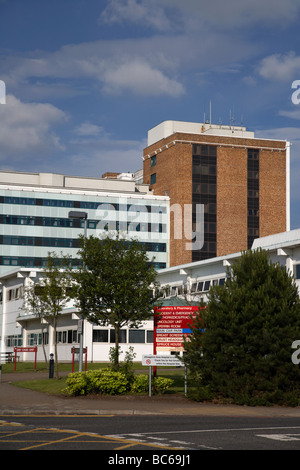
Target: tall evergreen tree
[(250, 325)]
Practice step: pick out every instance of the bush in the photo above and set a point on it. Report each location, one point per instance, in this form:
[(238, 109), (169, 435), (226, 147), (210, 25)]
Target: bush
[(141, 384), (103, 381), (162, 385), (111, 382)]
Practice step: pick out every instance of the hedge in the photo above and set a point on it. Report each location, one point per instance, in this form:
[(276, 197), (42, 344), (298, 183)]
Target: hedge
[(110, 382)]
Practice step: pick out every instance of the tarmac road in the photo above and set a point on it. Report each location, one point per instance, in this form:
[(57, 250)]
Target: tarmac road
[(34, 420)]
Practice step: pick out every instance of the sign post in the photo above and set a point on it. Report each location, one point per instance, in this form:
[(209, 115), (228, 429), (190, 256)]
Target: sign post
[(25, 349), (78, 351), (171, 326), (162, 360)]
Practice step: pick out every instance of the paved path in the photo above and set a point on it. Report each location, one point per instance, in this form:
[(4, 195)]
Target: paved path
[(16, 400)]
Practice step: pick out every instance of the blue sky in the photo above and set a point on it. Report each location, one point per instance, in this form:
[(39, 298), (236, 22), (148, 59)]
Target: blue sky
[(86, 80)]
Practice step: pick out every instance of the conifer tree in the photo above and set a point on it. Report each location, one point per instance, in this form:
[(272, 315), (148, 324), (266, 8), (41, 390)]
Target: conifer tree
[(250, 325)]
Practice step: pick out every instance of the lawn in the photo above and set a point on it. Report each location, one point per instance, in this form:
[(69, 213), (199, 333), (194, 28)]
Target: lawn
[(55, 387)]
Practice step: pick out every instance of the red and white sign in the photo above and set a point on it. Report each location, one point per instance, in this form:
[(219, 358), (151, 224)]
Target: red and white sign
[(26, 349), (171, 326)]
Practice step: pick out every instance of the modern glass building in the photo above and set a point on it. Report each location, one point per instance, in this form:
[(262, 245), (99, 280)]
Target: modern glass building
[(35, 216), (35, 219)]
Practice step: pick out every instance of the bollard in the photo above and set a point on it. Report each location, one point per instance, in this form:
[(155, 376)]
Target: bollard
[(0, 371), (51, 366)]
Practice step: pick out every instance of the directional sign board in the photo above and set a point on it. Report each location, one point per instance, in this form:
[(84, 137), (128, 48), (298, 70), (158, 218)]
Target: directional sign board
[(171, 326), (155, 360)]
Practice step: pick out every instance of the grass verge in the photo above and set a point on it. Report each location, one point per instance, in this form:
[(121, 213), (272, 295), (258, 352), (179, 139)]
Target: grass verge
[(56, 386)]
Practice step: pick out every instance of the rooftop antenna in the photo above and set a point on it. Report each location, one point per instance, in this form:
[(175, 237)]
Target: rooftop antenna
[(231, 118)]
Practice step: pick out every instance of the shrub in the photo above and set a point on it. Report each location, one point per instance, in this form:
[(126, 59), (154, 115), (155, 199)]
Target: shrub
[(162, 384), (141, 384), (104, 381), (111, 382), (78, 384)]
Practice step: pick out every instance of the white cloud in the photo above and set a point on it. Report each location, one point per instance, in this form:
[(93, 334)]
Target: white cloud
[(167, 15), (139, 67), (294, 114), (140, 78), (105, 154), (281, 67), (148, 13), (88, 129), (28, 128)]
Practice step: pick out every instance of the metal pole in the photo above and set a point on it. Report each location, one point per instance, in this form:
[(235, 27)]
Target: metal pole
[(80, 215), (82, 315), (150, 374), (81, 345)]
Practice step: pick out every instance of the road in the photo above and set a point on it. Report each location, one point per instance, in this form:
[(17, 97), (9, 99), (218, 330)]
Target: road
[(178, 435)]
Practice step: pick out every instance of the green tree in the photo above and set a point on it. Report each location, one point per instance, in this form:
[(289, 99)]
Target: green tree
[(115, 283), (47, 298), (244, 355)]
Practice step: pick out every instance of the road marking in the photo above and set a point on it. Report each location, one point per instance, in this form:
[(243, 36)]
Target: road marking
[(32, 438), (189, 431), (281, 437)]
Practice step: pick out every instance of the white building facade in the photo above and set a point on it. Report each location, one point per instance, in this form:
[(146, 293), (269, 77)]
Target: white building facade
[(35, 219), (195, 279), (190, 281)]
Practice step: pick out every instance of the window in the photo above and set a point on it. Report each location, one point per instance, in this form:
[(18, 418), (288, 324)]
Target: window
[(122, 336), (153, 160), (100, 336), (204, 191), (200, 286), (149, 335), (136, 336), (253, 195), (194, 287), (206, 285), (72, 336), (61, 336), (153, 178)]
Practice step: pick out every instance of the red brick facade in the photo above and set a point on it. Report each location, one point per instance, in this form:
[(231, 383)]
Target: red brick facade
[(173, 170)]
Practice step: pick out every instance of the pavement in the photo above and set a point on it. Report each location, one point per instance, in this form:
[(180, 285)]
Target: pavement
[(15, 401)]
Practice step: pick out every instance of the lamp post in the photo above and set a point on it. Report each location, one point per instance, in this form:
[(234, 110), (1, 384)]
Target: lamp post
[(81, 216)]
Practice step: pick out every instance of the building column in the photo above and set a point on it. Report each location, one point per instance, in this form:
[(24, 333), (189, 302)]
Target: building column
[(288, 253)]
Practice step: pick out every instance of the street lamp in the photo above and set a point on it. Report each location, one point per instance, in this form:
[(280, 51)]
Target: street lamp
[(81, 216)]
